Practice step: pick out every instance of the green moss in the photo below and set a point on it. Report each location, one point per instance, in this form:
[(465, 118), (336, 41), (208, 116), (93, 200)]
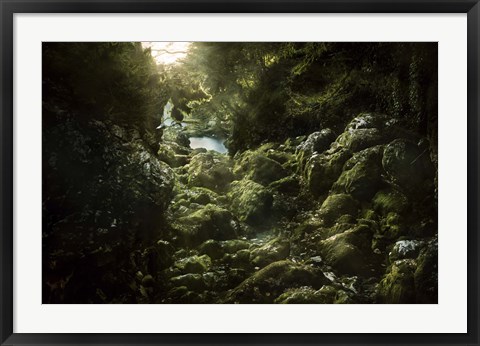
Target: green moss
[(209, 222), (349, 252), (250, 201), (390, 200), (210, 170), (426, 275), (212, 248), (193, 282), (321, 171), (273, 280), (194, 264), (275, 250), (337, 205), (307, 295), (254, 165), (287, 185), (398, 287)]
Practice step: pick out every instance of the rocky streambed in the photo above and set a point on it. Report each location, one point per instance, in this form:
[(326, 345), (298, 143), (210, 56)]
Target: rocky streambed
[(328, 217)]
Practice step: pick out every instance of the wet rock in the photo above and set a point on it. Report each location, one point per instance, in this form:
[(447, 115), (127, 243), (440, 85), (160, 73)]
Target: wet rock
[(212, 248), (255, 166), (307, 295), (273, 280), (194, 264), (321, 171), (398, 286), (405, 249), (316, 142), (359, 139), (209, 222), (210, 170), (426, 274), (406, 164), (234, 245), (349, 252), (337, 205), (250, 201), (390, 200), (275, 250), (193, 282), (288, 185), (361, 177)]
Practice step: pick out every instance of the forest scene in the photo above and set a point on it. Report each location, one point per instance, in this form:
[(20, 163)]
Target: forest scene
[(239, 172)]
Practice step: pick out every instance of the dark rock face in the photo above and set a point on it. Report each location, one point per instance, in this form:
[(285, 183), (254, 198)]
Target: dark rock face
[(104, 190)]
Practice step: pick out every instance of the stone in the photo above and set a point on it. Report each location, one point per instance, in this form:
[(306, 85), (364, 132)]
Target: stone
[(209, 222), (275, 250), (250, 201), (398, 286), (273, 280), (335, 206), (255, 166), (194, 264), (390, 200), (210, 170)]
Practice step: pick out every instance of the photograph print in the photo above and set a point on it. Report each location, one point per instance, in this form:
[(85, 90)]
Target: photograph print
[(239, 172)]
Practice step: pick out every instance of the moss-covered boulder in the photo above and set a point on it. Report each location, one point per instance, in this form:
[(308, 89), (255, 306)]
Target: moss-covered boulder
[(273, 280), (398, 286), (250, 201), (256, 166), (407, 164), (337, 205), (303, 295), (289, 185), (321, 171), (194, 264), (316, 142), (359, 139), (193, 282), (350, 252), (393, 226), (212, 248), (390, 201), (426, 274), (275, 250), (209, 222), (361, 176), (210, 170)]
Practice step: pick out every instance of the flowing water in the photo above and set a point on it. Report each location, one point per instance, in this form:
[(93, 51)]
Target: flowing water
[(208, 143)]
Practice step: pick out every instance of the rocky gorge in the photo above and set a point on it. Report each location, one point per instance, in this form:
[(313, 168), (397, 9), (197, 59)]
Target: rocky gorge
[(331, 215)]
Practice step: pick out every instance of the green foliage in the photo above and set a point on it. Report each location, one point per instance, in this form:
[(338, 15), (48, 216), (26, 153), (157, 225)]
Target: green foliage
[(103, 80), (272, 91)]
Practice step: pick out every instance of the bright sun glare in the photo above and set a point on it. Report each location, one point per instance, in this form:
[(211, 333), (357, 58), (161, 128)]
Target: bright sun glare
[(166, 53)]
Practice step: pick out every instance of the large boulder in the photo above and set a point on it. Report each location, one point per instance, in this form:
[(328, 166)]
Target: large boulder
[(398, 286), (254, 165), (322, 170), (390, 200), (407, 164), (250, 201), (361, 176), (317, 142), (349, 252), (210, 170), (209, 222), (335, 206), (273, 280), (275, 250)]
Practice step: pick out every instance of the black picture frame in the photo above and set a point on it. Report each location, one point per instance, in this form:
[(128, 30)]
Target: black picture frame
[(9, 7)]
